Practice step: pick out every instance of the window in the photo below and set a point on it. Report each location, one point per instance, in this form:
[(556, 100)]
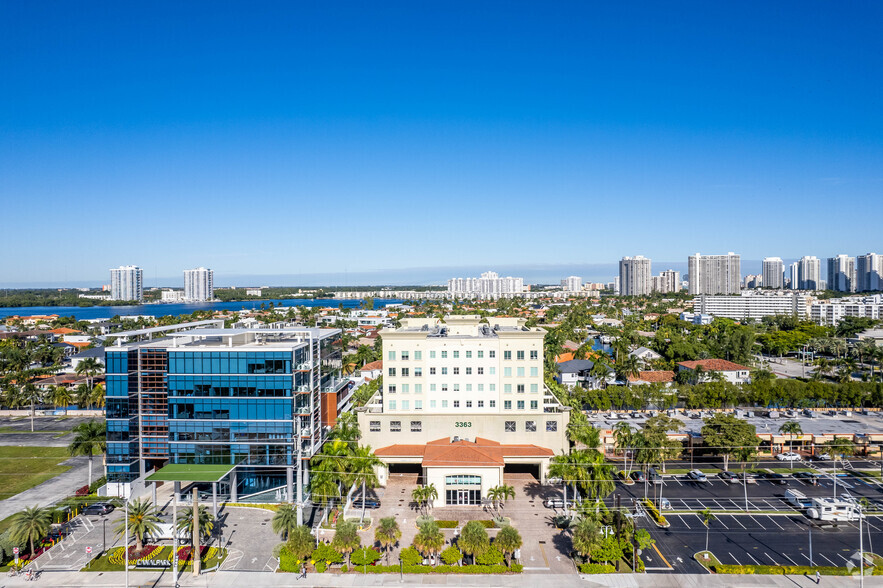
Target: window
[(392, 405), (432, 355), (510, 426), (432, 404), (418, 355), (444, 371), (456, 404), (469, 371), (468, 404), (418, 405), (507, 372), (518, 355), (392, 355), (456, 371), (530, 426), (520, 389), (456, 387), (492, 403), (391, 389), (444, 355), (404, 388), (418, 372), (480, 354), (507, 388), (533, 404), (551, 426), (456, 355), (492, 371), (480, 371), (392, 371), (469, 387), (444, 388), (431, 371), (492, 354), (432, 387), (444, 403), (395, 426), (416, 426), (468, 355), (481, 387), (374, 426), (404, 356), (492, 387), (481, 404), (418, 388), (518, 371), (533, 354), (507, 355), (406, 372), (521, 405), (507, 405), (534, 372), (534, 388), (405, 405)]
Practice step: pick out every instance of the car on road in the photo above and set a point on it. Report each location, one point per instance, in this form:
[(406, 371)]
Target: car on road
[(654, 476), (728, 476), (367, 502), (775, 478), (556, 503), (788, 456), (810, 478), (638, 477), (98, 508), (822, 457), (697, 476), (664, 504)]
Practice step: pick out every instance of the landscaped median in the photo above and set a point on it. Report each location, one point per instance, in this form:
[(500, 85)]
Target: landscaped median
[(155, 557), (655, 514), (714, 566)]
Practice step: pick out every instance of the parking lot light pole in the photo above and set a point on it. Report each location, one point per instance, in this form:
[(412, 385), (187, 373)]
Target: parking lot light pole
[(861, 547), (809, 526), (104, 533)]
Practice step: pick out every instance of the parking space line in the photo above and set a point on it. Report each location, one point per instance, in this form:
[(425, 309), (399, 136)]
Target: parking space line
[(752, 558), (739, 522), (720, 519), (683, 520), (719, 504), (781, 528), (789, 558), (770, 505), (843, 558), (807, 557), (734, 558), (828, 558), (734, 503), (775, 563)]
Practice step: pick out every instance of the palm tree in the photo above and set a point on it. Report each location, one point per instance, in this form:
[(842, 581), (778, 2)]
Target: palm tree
[(143, 520), (430, 496), (586, 537), (567, 468), (323, 487), (301, 542), (791, 428), (346, 538), (90, 367), (707, 518), (624, 436), (418, 495), (285, 520), (30, 524), (508, 540), (97, 396), (387, 534), (429, 540), (473, 540), (206, 524), (61, 396), (83, 396), (362, 469), (502, 493), (28, 393), (347, 427), (89, 437)]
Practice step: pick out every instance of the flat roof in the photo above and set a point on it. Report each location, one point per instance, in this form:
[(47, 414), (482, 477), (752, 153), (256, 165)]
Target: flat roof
[(187, 472)]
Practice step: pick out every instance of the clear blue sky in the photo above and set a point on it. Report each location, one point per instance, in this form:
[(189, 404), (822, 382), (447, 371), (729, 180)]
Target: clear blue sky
[(265, 138)]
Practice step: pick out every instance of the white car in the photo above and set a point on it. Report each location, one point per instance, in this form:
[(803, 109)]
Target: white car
[(823, 457), (788, 456), (697, 476)]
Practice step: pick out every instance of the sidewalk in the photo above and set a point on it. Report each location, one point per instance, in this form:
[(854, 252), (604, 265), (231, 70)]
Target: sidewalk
[(259, 579)]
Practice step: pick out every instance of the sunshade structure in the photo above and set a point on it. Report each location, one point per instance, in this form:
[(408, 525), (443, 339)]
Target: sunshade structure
[(196, 472)]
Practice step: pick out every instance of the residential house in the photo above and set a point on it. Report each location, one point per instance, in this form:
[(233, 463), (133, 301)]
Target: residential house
[(731, 372)]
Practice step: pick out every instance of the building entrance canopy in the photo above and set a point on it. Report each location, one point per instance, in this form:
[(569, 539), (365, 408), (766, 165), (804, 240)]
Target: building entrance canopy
[(182, 472)]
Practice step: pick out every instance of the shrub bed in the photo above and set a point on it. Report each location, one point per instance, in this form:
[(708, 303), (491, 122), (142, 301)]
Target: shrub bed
[(447, 524), (592, 568), (472, 569), (655, 514), (782, 570)]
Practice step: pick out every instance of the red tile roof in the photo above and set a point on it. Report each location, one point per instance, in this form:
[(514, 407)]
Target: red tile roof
[(374, 365), (714, 365), (654, 376), (483, 452), (64, 331)]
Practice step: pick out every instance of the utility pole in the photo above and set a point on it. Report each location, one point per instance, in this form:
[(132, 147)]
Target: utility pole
[(196, 550)]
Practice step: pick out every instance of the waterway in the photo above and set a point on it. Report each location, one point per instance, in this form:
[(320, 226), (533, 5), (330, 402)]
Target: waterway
[(177, 309)]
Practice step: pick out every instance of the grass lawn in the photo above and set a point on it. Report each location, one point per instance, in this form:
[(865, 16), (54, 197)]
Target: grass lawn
[(781, 470), (25, 467), (706, 563), (28, 431)]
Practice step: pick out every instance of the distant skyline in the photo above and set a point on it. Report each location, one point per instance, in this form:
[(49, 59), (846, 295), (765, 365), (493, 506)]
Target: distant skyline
[(315, 139)]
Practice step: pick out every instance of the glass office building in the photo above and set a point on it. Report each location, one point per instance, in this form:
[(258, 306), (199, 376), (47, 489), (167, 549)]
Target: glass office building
[(262, 400)]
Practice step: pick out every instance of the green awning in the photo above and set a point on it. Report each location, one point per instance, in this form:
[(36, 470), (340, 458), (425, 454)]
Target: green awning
[(195, 472)]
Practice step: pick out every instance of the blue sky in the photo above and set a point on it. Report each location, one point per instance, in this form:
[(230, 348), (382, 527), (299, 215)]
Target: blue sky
[(349, 137)]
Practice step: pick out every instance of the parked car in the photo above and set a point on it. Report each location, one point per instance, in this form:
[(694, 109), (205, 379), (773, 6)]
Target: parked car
[(697, 476), (98, 508), (556, 503), (664, 504), (728, 476), (788, 456), (810, 478), (775, 478), (638, 476), (368, 503), (824, 456), (654, 476)]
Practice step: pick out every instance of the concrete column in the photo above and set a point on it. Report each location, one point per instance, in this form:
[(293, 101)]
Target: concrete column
[(234, 495), (300, 489), (177, 492), (215, 500), (289, 482), (154, 494), (196, 549)]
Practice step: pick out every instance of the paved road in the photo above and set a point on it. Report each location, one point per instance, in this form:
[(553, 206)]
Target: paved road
[(47, 430), (53, 489)]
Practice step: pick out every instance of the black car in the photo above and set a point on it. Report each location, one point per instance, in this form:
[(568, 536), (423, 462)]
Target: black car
[(368, 503), (638, 476), (775, 478), (99, 508), (728, 476), (810, 478)]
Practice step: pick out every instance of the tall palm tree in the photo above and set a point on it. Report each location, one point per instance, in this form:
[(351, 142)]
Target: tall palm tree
[(30, 524), (61, 396), (363, 470), (143, 520), (586, 537), (429, 540), (791, 428), (90, 367), (347, 427), (387, 534), (346, 538), (89, 437), (508, 540), (568, 469), (707, 518), (301, 542), (284, 520), (324, 487), (473, 540), (430, 496), (185, 523), (624, 436)]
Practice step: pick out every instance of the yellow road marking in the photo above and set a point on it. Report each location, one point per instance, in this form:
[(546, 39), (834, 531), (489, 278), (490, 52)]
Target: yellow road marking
[(663, 557), (543, 551)]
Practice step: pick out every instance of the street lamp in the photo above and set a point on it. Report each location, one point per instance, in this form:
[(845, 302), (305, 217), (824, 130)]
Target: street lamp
[(104, 533)]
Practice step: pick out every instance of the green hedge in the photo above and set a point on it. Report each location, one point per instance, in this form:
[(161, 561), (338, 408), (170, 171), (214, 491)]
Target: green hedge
[(654, 512), (781, 570), (498, 569), (591, 568), (447, 524), (487, 524)]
